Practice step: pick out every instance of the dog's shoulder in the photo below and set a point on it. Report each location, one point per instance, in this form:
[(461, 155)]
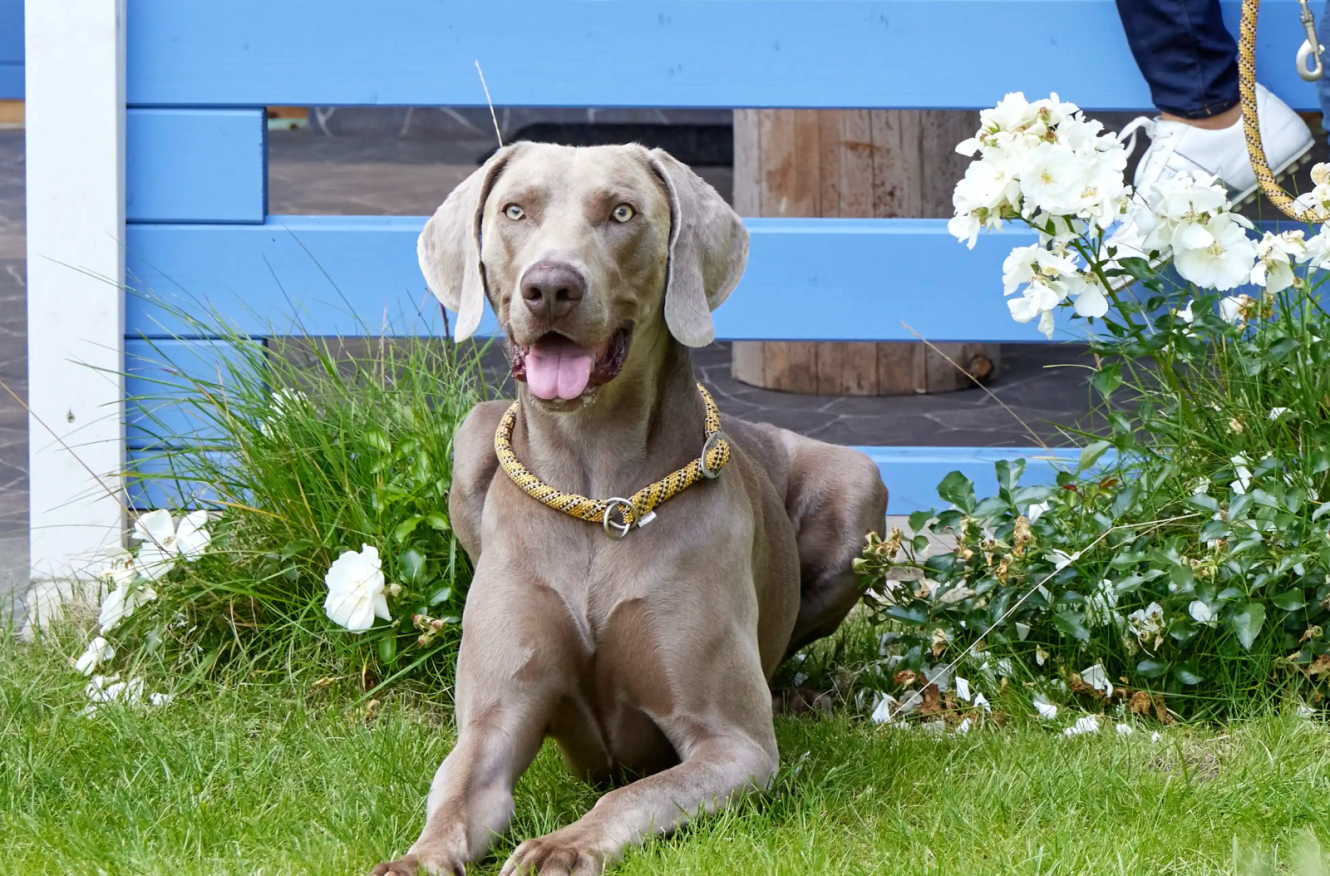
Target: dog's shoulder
[(474, 466)]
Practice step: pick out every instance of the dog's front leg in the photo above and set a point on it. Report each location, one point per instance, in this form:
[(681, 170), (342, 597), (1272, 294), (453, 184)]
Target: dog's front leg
[(511, 672), (728, 748)]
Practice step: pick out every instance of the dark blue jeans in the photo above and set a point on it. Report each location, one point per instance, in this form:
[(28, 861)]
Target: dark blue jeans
[(1185, 53)]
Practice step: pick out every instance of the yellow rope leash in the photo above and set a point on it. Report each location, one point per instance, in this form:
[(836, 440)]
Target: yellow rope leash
[(1251, 123), (635, 510)]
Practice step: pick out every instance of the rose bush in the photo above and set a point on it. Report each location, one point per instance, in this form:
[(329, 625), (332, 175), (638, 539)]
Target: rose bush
[(1188, 554)]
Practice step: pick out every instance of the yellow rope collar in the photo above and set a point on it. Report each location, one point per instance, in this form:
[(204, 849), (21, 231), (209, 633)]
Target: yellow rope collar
[(636, 510)]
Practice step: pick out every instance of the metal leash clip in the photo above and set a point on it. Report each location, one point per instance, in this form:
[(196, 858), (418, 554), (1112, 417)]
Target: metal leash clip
[(1310, 46)]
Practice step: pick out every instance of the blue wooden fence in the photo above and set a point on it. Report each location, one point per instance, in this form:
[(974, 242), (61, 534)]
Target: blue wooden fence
[(199, 74), (11, 49)]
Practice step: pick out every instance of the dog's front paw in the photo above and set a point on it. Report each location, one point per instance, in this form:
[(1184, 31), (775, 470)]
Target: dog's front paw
[(556, 854), (421, 864)]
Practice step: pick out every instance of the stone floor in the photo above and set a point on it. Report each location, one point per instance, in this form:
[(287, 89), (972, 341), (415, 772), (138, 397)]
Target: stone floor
[(312, 174)]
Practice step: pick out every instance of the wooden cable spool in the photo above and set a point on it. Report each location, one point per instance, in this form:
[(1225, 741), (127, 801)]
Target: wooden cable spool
[(862, 164)]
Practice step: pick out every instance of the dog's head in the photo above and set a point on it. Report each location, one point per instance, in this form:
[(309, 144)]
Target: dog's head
[(582, 251)]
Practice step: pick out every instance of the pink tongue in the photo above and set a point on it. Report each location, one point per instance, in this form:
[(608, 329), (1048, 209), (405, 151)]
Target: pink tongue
[(557, 368)]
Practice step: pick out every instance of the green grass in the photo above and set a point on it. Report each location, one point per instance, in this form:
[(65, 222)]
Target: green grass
[(259, 779)]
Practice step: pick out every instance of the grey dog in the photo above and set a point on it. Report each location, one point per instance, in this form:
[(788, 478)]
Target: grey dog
[(649, 655)]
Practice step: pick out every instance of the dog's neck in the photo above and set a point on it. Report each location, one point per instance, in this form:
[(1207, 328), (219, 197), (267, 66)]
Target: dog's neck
[(641, 426)]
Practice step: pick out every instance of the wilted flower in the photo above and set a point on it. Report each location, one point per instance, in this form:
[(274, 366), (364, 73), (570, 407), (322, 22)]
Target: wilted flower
[(1202, 613), (1097, 677), (1044, 708), (99, 651), (355, 590), (1243, 483), (1087, 724), (1099, 607), (1148, 623), (122, 602)]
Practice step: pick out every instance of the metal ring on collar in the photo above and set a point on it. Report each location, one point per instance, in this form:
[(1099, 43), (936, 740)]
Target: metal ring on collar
[(712, 440), (612, 529)]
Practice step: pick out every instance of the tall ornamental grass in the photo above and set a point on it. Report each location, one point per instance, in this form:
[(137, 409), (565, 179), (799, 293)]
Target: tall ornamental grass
[(324, 468)]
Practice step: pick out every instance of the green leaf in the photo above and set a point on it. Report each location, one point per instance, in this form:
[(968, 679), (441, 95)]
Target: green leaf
[(1289, 600), (1151, 668), (388, 648), (957, 489), (919, 519), (992, 507), (1321, 511), (1072, 623), (1009, 473), (1122, 502), (1247, 622), (438, 521), (1137, 267), (440, 595), (301, 545), (412, 565), (1203, 502), (1107, 379), (1320, 460), (1187, 673), (405, 528), (1090, 455), (912, 615)]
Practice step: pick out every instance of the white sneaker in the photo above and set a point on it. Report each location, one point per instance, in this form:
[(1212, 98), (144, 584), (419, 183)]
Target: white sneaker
[(1176, 148)]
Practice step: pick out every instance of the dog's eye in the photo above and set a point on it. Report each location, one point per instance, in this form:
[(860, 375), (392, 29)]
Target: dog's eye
[(514, 212), (623, 213)]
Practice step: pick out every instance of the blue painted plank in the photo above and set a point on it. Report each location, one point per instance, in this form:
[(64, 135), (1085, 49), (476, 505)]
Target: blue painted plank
[(11, 49), (165, 382), (192, 165), (910, 473), (960, 54), (11, 81), (807, 279), (154, 479), (913, 473)]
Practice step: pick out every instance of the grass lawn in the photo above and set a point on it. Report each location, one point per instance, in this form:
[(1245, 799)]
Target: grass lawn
[(257, 780)]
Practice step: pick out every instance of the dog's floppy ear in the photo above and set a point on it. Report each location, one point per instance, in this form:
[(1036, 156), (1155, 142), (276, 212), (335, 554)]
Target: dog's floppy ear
[(449, 247), (708, 251)]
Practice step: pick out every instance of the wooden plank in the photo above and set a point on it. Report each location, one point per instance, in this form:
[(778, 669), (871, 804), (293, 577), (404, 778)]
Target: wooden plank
[(747, 162), (903, 365), (807, 279), (75, 217), (190, 165), (854, 187), (165, 380), (684, 53)]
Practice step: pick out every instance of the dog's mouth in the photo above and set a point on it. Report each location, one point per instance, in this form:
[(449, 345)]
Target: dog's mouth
[(555, 367)]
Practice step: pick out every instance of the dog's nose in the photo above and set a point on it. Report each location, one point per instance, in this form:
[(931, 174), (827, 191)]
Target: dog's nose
[(552, 289)]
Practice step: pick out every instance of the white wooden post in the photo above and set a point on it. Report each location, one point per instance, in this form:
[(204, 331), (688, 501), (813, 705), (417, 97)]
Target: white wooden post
[(76, 220)]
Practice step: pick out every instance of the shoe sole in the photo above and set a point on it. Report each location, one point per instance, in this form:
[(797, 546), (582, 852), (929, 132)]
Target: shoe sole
[(1239, 201), (1280, 173)]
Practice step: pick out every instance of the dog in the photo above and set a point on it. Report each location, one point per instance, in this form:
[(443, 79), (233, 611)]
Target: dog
[(649, 654)]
